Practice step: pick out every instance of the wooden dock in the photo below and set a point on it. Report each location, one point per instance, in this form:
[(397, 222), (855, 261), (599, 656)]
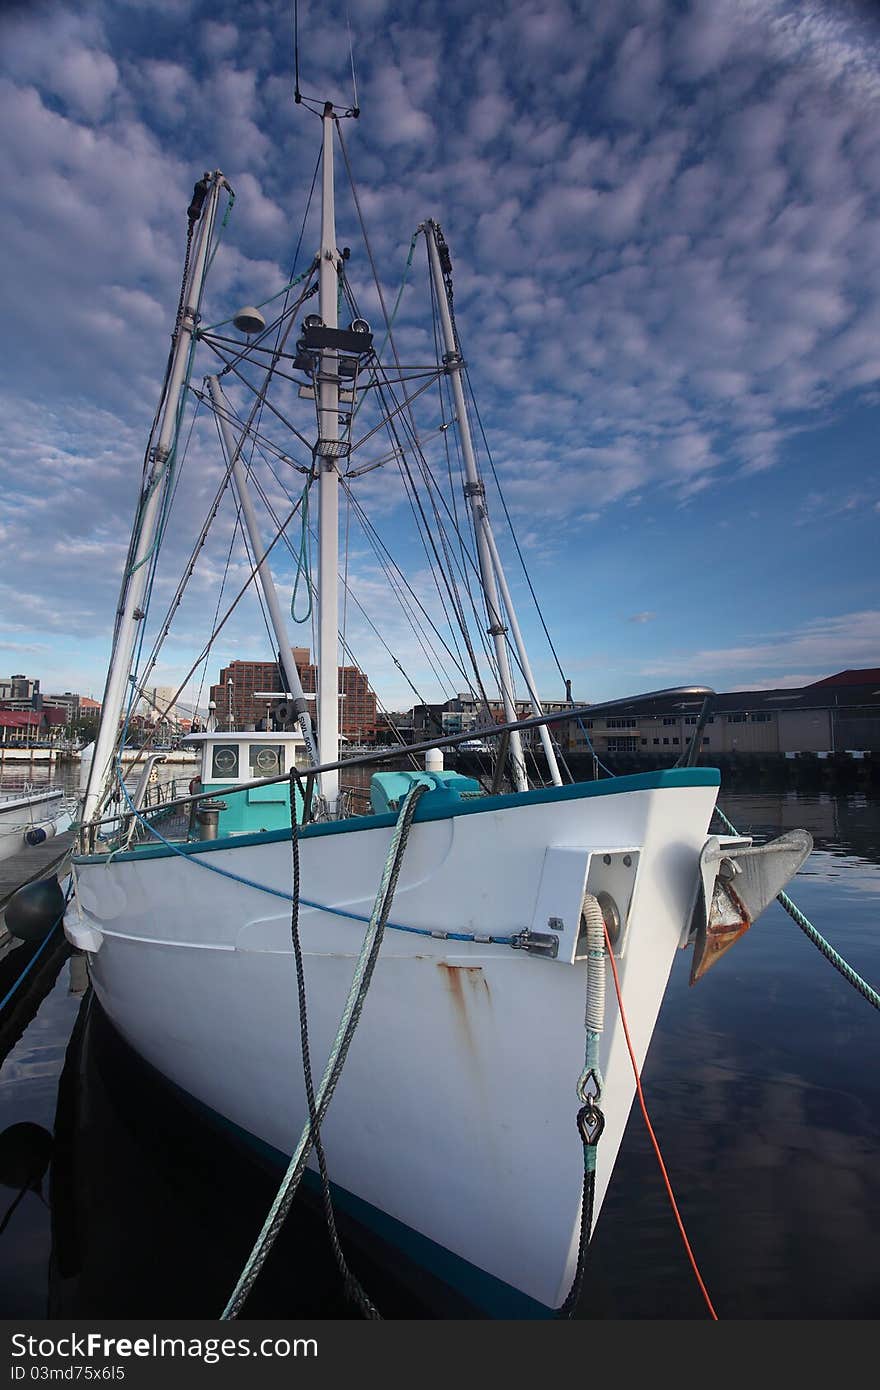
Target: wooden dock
[(24, 979), (32, 862)]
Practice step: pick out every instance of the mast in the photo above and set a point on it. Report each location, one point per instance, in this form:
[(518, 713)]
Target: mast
[(264, 574), (475, 493), (328, 483), (130, 613), (543, 731)]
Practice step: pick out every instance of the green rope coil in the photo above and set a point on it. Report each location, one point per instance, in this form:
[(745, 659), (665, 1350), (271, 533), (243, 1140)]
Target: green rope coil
[(303, 568)]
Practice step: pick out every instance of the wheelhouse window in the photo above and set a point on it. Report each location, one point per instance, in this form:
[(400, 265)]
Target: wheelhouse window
[(266, 759), (224, 761)]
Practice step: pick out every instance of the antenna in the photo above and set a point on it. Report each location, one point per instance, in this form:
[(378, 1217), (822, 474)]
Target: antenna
[(297, 94), (355, 110), (318, 107)]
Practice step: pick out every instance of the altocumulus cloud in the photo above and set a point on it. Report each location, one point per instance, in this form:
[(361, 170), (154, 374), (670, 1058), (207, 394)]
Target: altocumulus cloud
[(665, 220)]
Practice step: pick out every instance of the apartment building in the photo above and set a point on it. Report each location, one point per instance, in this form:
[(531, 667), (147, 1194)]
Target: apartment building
[(247, 692)]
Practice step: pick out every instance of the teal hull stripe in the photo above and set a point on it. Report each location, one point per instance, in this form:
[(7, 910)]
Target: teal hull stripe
[(574, 791)]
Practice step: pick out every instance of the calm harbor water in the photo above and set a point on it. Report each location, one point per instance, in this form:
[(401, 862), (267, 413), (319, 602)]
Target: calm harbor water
[(761, 1082)]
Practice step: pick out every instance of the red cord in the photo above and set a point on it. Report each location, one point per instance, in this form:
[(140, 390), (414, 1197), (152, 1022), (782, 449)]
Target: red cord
[(644, 1108)]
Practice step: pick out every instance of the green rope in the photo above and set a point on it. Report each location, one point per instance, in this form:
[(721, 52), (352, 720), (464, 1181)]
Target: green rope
[(220, 232), (302, 563), (339, 1051), (263, 302), (817, 939)]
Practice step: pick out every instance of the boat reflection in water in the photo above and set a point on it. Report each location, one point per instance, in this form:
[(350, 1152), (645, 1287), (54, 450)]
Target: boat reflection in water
[(155, 1210)]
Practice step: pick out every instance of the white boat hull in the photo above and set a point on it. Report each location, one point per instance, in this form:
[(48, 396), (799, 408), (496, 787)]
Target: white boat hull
[(48, 810), (455, 1113)]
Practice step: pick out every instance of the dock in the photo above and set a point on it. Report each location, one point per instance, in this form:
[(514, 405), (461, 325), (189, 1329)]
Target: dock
[(21, 997)]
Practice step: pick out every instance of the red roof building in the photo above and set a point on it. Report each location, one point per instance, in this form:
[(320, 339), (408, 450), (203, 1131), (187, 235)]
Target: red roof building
[(869, 676)]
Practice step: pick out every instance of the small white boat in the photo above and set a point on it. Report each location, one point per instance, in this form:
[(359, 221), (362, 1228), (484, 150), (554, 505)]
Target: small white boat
[(30, 817)]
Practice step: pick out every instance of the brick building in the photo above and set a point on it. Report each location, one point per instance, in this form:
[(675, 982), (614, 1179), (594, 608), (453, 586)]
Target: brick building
[(239, 706)]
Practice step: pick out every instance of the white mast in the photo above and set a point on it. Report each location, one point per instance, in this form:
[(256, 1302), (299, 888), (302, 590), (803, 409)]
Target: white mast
[(328, 484), (135, 582), (476, 494), (285, 655), (543, 731)]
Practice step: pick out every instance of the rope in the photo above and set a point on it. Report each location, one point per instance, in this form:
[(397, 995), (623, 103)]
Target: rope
[(350, 1017), (221, 229), (352, 1285), (590, 1120), (35, 957), (263, 302), (646, 1117), (817, 939), (303, 568)]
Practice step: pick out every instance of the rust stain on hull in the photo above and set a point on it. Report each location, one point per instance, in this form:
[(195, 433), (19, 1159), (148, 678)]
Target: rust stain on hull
[(463, 981)]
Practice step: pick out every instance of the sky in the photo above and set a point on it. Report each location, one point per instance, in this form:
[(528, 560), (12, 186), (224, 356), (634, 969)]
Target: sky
[(664, 220)]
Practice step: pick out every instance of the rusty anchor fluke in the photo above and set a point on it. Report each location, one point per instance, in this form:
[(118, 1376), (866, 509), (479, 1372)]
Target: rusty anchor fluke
[(724, 912)]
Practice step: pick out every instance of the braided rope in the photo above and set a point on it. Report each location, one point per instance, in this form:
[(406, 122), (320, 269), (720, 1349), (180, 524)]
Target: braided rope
[(350, 1017)]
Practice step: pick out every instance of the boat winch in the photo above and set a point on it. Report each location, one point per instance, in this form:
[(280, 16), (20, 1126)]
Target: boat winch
[(569, 874)]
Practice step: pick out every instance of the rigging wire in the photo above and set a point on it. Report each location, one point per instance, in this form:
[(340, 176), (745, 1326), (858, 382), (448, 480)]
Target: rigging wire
[(433, 489), (397, 579), (219, 626), (427, 536), (188, 571), (511, 647), (246, 539), (421, 637), (390, 577), (434, 493), (516, 543), (235, 527), (381, 297), (231, 366), (233, 419)]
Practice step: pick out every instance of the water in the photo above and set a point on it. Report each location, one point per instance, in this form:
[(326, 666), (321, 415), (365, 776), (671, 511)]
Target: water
[(761, 1086), (66, 776)]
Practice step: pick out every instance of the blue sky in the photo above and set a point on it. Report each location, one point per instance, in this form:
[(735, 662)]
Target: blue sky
[(665, 227)]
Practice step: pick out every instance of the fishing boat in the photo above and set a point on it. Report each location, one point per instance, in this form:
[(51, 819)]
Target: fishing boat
[(29, 817), (473, 965)]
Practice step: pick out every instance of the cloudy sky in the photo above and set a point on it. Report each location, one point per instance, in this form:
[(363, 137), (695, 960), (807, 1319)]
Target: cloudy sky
[(665, 225)]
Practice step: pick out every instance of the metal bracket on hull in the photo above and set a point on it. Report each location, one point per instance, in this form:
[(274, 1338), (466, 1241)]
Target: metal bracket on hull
[(737, 881), (570, 872)]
